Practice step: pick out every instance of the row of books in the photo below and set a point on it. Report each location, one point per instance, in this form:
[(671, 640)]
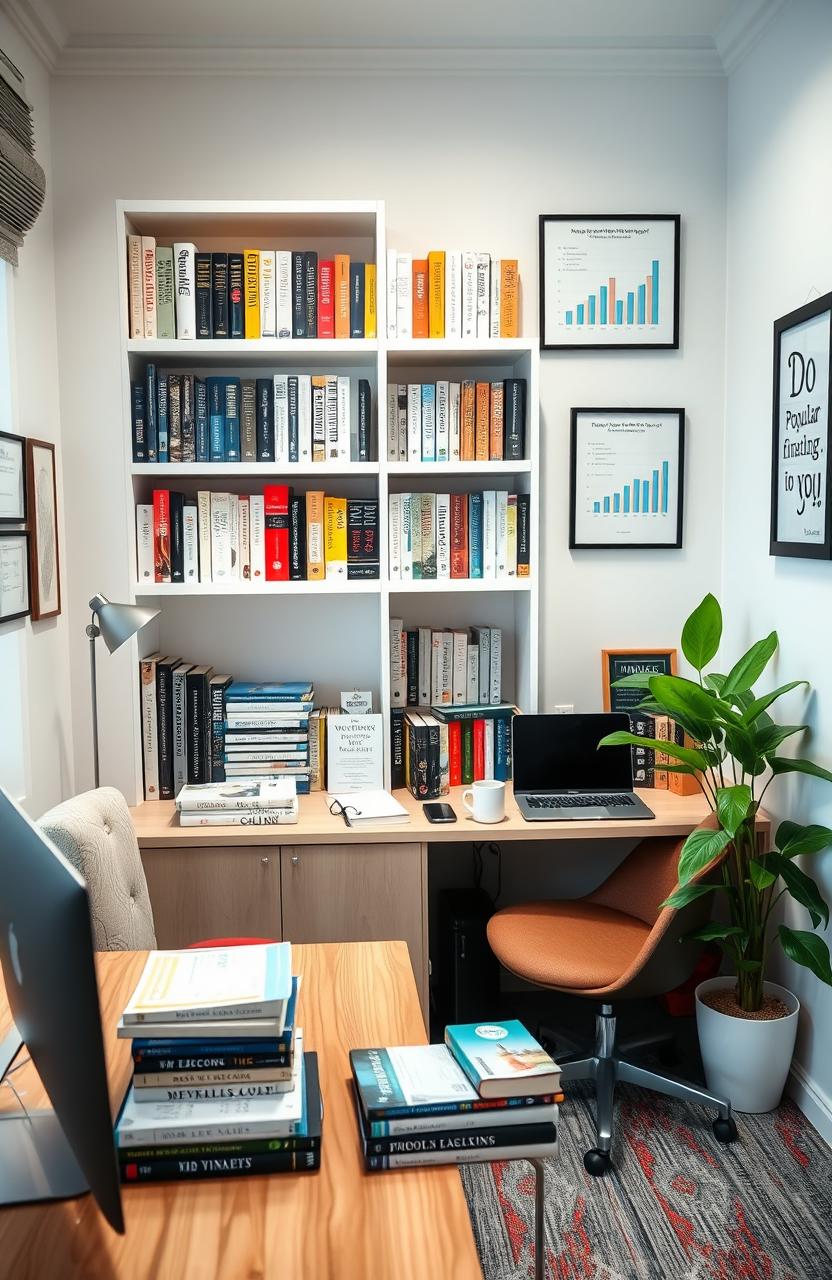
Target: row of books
[(275, 536), (650, 767), (456, 421), (452, 294), (221, 1084), (284, 418), (459, 666), (459, 535), (435, 748), (490, 1092), (200, 727), (176, 291)]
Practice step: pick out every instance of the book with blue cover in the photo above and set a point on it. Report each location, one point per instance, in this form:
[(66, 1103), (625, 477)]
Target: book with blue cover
[(213, 984), (281, 691), (501, 1059)]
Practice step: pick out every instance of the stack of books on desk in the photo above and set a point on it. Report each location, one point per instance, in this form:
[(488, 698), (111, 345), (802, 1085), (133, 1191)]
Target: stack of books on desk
[(245, 802), (489, 1093), (221, 1086), (267, 731)]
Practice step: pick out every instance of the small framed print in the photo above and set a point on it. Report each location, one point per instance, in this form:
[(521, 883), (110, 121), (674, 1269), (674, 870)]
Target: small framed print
[(617, 663), (14, 575), (12, 479), (42, 489), (609, 281), (801, 460), (627, 478)]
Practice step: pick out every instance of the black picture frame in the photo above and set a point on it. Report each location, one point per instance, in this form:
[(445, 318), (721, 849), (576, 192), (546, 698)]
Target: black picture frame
[(23, 535), (21, 441), (574, 544), (779, 546), (593, 218)]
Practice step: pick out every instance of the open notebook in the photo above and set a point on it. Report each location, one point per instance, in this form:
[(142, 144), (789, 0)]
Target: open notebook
[(367, 808)]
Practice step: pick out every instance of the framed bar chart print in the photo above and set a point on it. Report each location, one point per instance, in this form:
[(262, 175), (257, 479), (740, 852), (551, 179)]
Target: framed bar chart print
[(609, 281), (627, 478)]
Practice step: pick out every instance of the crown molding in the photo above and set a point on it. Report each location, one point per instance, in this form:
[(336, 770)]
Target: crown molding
[(741, 30), (40, 27), (584, 58)]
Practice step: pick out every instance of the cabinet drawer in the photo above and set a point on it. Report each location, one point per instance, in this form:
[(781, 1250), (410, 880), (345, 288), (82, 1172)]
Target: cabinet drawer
[(213, 892)]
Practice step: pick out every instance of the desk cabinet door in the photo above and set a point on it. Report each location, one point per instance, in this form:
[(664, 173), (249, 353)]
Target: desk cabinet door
[(357, 893), (213, 892)]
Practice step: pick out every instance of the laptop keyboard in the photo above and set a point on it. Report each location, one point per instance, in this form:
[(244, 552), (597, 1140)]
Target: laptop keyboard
[(578, 802)]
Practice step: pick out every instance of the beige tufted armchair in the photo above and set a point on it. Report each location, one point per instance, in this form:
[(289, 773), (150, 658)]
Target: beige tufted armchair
[(94, 832)]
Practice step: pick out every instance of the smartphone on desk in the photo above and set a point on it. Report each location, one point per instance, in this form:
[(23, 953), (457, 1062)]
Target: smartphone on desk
[(435, 812)]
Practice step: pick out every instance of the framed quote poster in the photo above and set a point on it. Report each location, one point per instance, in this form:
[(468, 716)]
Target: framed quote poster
[(627, 478), (801, 465), (43, 525), (618, 663), (609, 281)]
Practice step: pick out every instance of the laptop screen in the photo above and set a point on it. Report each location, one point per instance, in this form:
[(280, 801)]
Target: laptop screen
[(561, 753)]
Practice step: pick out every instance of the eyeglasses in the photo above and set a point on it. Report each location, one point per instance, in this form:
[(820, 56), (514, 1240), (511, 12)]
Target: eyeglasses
[(339, 810)]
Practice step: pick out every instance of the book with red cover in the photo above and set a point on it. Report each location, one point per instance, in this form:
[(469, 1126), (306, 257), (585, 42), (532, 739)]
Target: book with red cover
[(326, 299), (459, 535), (161, 535), (276, 505), (455, 753), (479, 750)]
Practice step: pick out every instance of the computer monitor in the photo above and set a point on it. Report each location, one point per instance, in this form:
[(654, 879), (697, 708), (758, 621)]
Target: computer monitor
[(48, 966), (561, 753)]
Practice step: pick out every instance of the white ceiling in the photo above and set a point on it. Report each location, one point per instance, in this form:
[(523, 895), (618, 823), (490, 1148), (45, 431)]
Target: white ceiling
[(112, 36)]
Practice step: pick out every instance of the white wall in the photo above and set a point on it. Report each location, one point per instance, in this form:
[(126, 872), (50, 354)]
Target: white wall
[(780, 255), (44, 650), (459, 161)]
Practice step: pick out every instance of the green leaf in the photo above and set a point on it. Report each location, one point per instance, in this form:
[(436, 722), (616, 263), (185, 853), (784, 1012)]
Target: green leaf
[(622, 737), (790, 764), (793, 840), (747, 671), (807, 949), (700, 849), (638, 680), (702, 633), (716, 929), (715, 681), (769, 738), (740, 744), (759, 874), (681, 697), (732, 804), (689, 893), (802, 888), (761, 704)]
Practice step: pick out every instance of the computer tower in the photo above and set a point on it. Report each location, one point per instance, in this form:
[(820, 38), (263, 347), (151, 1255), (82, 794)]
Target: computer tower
[(468, 988)]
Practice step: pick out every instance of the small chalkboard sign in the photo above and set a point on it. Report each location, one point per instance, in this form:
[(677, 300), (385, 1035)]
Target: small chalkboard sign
[(617, 663)]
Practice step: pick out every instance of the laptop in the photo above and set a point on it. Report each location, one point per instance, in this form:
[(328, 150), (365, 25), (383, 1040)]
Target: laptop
[(561, 775)]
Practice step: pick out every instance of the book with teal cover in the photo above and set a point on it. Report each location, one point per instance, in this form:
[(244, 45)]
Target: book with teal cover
[(501, 1059), (286, 691)]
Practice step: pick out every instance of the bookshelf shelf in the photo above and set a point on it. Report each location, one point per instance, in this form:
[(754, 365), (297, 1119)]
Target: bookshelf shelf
[(335, 632)]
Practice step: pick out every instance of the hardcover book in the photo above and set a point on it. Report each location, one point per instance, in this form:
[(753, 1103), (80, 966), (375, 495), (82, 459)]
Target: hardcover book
[(276, 504), (183, 260), (198, 985), (236, 316), (219, 294), (165, 314), (502, 1060), (251, 287), (204, 295)]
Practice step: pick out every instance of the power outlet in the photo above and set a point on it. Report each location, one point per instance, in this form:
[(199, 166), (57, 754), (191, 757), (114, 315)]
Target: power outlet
[(564, 709)]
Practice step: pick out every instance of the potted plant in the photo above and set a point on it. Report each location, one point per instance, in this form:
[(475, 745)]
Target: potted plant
[(747, 1024)]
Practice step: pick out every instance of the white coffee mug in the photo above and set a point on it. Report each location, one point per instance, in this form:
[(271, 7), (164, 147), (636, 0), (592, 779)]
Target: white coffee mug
[(488, 801)]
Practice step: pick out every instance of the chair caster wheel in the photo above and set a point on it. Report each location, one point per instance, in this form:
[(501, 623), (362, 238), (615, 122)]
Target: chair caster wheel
[(597, 1162), (724, 1129)]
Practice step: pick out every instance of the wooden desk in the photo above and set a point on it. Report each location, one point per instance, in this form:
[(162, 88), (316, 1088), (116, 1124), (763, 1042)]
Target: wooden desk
[(338, 1224)]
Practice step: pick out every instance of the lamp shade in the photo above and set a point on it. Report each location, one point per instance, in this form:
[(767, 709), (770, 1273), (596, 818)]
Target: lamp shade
[(118, 622)]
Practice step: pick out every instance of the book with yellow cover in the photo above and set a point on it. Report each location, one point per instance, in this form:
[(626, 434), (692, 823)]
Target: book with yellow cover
[(370, 321), (436, 293), (466, 416), (509, 299), (315, 564), (481, 421), (335, 537), (215, 982), (251, 292), (420, 297), (342, 295), (495, 441)]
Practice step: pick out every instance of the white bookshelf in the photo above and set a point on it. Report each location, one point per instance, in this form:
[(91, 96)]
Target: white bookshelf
[(335, 633)]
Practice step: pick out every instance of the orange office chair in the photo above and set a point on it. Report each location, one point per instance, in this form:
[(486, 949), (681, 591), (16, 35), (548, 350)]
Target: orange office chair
[(618, 941)]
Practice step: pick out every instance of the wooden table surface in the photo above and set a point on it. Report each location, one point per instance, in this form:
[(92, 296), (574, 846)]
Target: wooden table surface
[(338, 1224), (157, 824)]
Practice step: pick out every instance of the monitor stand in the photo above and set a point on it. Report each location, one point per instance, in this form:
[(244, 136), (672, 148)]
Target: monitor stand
[(36, 1161)]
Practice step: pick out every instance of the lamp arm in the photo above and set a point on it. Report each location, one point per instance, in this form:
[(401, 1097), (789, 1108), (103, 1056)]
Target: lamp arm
[(92, 634)]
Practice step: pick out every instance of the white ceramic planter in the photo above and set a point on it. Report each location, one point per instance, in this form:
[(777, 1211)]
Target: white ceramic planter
[(745, 1060)]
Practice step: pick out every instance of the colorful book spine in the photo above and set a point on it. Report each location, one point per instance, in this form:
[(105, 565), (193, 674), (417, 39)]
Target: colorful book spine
[(251, 292), (276, 512)]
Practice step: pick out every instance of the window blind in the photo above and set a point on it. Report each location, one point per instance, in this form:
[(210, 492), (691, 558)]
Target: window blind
[(22, 181)]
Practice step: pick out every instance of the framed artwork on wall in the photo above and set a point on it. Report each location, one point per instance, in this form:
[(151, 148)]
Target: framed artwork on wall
[(14, 575), (42, 488), (609, 281), (12, 479), (617, 663), (801, 461), (626, 478)]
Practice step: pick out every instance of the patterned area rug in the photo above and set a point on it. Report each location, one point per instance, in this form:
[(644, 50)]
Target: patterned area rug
[(678, 1205)]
